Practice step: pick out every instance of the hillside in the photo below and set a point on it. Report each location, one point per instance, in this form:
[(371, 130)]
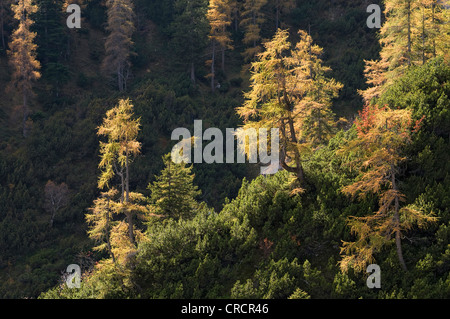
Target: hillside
[(251, 236)]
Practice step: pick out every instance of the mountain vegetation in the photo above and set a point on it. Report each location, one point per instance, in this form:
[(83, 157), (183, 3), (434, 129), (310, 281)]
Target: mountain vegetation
[(87, 176)]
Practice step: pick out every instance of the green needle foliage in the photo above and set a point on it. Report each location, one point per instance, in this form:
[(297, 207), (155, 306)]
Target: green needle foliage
[(173, 193)]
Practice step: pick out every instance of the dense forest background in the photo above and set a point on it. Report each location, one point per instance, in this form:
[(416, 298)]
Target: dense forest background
[(251, 236)]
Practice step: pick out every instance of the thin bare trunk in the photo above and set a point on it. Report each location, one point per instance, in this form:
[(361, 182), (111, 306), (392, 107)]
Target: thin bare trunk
[(236, 19), (398, 241), (53, 217), (25, 113), (119, 78), (192, 72), (409, 33), (108, 239), (127, 178), (433, 7), (128, 213), (2, 30), (223, 59), (129, 216), (213, 61), (310, 52), (277, 15), (122, 183), (423, 36), (297, 158), (298, 170)]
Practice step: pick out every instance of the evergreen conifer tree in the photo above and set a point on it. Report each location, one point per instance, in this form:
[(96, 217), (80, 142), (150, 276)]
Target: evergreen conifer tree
[(189, 32), (173, 193)]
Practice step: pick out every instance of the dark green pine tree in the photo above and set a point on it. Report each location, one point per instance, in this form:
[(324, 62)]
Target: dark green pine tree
[(189, 33), (173, 193), (51, 40)]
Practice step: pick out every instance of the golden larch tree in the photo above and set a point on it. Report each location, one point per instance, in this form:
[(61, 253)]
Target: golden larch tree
[(118, 44), (282, 7), (377, 154), (22, 55), (121, 130), (101, 222), (287, 92), (252, 19), (219, 17), (413, 32)]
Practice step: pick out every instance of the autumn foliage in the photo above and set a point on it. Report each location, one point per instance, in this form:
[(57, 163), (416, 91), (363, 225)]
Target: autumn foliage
[(382, 134)]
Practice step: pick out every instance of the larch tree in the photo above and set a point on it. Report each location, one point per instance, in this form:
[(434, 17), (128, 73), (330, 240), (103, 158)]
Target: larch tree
[(109, 231), (22, 55), (124, 236), (433, 32), (173, 193), (219, 17), (440, 26), (376, 154), (101, 222), (235, 7), (316, 119), (414, 31), (282, 7), (120, 25), (121, 130), (252, 18), (288, 91)]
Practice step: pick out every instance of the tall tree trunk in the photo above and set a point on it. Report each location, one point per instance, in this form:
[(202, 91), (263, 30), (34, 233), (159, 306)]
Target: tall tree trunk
[(127, 177), (119, 78), (108, 244), (122, 184), (25, 113), (298, 170), (277, 15), (310, 52), (223, 59), (433, 7), (129, 216), (236, 19), (192, 72), (297, 158), (398, 241), (53, 217), (409, 34), (128, 213), (213, 59), (423, 36), (108, 239), (254, 22), (2, 30)]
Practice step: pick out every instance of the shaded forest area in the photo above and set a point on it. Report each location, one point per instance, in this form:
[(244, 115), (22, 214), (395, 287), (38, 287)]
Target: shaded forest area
[(374, 139)]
